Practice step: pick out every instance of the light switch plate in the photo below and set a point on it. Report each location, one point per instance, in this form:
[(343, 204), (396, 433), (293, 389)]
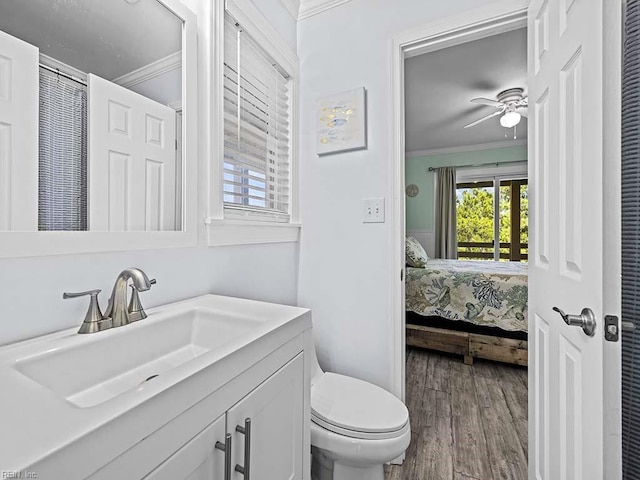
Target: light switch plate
[(373, 210)]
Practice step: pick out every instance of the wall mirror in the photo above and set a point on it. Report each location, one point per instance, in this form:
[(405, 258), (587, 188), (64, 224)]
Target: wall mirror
[(95, 114)]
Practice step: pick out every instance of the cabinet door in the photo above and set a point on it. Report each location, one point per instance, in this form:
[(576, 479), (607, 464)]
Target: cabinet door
[(275, 409), (198, 459)]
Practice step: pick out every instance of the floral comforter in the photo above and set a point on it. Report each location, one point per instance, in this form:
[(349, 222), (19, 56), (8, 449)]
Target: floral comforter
[(481, 292)]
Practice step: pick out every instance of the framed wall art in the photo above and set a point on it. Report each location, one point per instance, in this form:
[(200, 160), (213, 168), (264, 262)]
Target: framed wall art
[(342, 122)]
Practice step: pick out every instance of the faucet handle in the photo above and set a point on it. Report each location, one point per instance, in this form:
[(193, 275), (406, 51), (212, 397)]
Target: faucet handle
[(136, 311), (94, 321), (93, 293)]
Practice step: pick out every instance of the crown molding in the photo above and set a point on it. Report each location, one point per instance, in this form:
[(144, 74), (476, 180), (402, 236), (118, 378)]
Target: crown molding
[(155, 69), (467, 148), (309, 8), (293, 7)]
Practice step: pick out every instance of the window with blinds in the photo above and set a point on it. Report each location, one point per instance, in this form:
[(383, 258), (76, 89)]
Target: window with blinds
[(62, 164), (256, 179)]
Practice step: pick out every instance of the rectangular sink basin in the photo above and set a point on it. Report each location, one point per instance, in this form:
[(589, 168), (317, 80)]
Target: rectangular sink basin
[(119, 360)]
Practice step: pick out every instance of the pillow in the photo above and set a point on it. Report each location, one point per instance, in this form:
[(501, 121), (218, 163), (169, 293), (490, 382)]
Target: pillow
[(415, 254)]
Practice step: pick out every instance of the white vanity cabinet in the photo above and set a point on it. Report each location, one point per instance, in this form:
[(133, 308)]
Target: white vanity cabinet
[(275, 412), (194, 373), (271, 417), (273, 395)]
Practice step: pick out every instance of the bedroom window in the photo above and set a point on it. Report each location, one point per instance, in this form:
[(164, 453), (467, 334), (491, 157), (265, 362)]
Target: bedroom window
[(256, 130), (485, 235)]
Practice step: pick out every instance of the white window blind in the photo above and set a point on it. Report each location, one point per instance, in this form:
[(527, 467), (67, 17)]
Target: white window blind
[(256, 130)]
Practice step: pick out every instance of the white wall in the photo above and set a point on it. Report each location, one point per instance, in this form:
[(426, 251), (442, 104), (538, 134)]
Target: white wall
[(344, 269), (31, 288)]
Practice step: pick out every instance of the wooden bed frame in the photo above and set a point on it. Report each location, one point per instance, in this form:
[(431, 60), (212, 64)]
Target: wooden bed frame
[(469, 345)]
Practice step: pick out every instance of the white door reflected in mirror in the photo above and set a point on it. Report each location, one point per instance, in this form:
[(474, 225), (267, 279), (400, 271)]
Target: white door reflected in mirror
[(92, 109), (132, 147)]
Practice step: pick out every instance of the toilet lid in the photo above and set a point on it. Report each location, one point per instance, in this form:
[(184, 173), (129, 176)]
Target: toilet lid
[(356, 408)]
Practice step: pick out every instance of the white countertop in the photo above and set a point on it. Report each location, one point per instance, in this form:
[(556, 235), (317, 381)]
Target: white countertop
[(37, 424)]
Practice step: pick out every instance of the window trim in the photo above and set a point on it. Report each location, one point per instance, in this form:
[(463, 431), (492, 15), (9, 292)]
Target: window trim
[(234, 228)]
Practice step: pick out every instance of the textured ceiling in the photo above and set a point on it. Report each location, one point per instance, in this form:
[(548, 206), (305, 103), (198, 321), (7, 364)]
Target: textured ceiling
[(106, 37), (439, 85)]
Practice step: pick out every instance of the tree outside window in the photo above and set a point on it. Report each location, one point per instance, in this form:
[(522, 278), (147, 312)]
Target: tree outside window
[(477, 222)]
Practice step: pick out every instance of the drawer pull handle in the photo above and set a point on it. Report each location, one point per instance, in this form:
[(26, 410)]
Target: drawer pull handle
[(245, 469), (226, 448)]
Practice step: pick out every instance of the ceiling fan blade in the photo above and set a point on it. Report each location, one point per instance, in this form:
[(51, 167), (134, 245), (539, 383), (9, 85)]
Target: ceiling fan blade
[(487, 101), (483, 119)]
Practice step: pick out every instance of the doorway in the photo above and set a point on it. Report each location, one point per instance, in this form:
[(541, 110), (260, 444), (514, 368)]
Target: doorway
[(467, 346), (563, 351)]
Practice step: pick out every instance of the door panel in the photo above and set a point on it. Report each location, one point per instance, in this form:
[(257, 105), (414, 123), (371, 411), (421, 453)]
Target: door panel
[(566, 365), (540, 405), (276, 412), (540, 216), (19, 87), (571, 411), (132, 160), (570, 158)]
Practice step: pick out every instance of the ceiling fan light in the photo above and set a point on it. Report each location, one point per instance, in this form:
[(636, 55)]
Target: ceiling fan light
[(510, 119)]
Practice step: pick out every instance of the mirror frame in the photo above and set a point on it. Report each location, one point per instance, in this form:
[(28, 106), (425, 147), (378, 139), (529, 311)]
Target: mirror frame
[(28, 244)]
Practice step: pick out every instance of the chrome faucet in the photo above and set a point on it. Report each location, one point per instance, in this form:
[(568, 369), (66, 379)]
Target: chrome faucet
[(117, 310), (118, 313)]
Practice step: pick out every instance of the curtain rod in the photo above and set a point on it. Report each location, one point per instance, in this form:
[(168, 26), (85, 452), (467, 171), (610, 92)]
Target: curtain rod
[(62, 74), (497, 164)]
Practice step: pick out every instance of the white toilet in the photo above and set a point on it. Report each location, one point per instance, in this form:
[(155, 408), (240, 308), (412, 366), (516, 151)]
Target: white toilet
[(356, 427)]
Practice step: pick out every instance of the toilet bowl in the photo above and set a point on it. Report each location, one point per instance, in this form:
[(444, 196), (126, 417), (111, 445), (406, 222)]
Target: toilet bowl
[(356, 427)]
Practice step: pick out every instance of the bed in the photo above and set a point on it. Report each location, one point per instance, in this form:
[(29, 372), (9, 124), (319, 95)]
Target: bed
[(477, 309)]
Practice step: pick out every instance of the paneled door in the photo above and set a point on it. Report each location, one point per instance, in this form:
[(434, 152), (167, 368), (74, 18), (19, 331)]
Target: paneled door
[(132, 160), (567, 259), (269, 422), (19, 87)]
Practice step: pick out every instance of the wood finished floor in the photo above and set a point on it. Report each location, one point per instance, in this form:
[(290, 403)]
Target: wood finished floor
[(467, 422)]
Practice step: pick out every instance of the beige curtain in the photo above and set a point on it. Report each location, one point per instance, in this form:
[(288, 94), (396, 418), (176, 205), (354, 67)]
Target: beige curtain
[(446, 227)]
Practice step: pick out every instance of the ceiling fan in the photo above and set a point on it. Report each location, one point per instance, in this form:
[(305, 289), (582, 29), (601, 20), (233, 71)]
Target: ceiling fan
[(510, 103)]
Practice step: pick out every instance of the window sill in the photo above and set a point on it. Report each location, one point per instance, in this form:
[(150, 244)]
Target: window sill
[(242, 232)]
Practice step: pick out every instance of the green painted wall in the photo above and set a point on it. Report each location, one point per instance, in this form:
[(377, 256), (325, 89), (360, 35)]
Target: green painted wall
[(420, 209)]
